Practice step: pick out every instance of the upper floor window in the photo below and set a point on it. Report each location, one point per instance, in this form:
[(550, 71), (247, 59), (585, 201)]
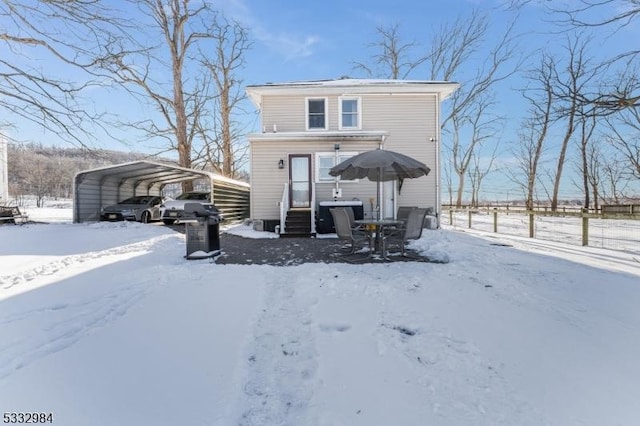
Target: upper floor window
[(349, 113), (316, 114)]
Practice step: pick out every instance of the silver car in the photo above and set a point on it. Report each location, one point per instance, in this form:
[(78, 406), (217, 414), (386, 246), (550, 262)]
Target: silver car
[(144, 208), (173, 210)]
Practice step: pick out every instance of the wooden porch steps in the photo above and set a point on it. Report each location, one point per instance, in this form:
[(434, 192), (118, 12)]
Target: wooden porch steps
[(297, 224)]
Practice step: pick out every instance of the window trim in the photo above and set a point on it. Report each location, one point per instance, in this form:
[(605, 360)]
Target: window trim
[(326, 112), (325, 154), (358, 100)]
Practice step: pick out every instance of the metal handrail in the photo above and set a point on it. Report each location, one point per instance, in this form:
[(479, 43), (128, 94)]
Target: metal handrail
[(284, 207)]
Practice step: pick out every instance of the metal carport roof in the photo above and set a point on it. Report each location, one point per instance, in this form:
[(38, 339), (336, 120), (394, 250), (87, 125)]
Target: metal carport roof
[(146, 172)]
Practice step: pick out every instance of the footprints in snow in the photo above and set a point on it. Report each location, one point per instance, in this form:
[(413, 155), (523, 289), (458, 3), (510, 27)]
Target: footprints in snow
[(335, 327), (282, 363)]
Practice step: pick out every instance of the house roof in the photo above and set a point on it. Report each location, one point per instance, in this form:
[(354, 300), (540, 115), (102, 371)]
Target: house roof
[(352, 86), (319, 135)]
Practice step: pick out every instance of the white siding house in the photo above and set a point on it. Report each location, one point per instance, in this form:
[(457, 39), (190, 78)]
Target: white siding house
[(308, 127)]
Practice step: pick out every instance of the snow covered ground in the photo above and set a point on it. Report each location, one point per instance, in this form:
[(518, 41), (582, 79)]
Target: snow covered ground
[(108, 324)]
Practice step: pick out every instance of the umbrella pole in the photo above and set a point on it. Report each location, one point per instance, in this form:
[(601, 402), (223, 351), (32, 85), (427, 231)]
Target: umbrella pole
[(380, 171)]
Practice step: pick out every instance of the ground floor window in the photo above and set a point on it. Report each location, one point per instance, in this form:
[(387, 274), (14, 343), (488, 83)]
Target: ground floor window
[(326, 160)]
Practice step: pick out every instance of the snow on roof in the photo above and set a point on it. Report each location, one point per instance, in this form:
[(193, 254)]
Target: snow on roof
[(356, 85), (345, 81)]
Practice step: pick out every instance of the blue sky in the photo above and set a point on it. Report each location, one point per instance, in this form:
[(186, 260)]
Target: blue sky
[(319, 40), (294, 40)]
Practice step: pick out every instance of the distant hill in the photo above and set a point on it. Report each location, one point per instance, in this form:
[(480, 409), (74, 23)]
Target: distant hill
[(47, 172)]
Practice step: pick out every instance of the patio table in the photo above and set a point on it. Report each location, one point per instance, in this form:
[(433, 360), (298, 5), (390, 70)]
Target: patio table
[(375, 228)]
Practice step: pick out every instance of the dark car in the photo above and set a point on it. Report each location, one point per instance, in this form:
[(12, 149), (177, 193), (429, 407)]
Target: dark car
[(144, 208), (173, 210)]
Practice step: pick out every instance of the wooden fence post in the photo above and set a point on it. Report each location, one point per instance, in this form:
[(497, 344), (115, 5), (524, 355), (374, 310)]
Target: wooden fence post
[(450, 216), (531, 223), (495, 220), (585, 227), (469, 218)]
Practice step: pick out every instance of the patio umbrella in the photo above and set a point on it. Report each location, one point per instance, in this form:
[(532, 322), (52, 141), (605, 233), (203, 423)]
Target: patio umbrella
[(380, 166)]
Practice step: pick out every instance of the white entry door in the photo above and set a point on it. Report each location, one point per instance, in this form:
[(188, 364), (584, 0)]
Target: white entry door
[(300, 180), (389, 194)]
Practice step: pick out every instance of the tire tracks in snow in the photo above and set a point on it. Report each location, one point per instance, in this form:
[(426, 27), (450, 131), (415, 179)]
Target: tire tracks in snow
[(62, 325), (29, 335), (30, 276)]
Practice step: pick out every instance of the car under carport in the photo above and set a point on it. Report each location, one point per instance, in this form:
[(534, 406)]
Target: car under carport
[(96, 188)]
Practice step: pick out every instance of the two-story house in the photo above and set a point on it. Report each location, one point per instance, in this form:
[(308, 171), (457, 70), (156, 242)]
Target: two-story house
[(308, 127)]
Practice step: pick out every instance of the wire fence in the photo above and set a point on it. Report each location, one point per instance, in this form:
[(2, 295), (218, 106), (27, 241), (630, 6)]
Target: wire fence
[(615, 232)]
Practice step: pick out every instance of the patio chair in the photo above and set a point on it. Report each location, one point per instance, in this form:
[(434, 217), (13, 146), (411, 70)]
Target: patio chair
[(403, 213), (411, 231), (344, 230), (352, 218)]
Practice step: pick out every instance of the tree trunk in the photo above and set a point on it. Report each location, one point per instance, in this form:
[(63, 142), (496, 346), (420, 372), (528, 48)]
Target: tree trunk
[(561, 160), (460, 189), (225, 115)]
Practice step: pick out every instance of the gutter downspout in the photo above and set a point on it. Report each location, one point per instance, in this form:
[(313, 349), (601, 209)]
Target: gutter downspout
[(438, 206)]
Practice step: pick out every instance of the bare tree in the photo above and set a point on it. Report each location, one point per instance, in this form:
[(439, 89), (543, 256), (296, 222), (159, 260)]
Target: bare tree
[(613, 14), (447, 176), (223, 150), (482, 128), (596, 163), (30, 174), (604, 12), (453, 47), (63, 31), (625, 137), (570, 88), (392, 57), (587, 125), (615, 181), (480, 168), (534, 132), (528, 153), (618, 89), (596, 15), (174, 75), (135, 72)]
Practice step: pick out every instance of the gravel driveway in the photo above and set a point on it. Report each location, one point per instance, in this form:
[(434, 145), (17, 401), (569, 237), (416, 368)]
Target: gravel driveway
[(295, 251), (237, 250)]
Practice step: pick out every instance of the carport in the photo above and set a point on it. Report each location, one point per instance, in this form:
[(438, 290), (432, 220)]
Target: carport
[(96, 188)]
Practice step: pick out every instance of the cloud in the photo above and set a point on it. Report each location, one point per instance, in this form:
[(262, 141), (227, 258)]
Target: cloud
[(287, 44)]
